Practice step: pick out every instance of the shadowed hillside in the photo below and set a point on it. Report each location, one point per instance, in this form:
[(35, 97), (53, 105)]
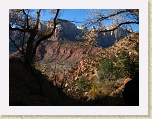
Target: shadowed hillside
[(29, 87), (107, 72), (96, 78)]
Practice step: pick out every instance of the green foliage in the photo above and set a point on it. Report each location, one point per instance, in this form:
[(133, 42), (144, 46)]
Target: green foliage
[(103, 90), (83, 84), (107, 87), (130, 63), (113, 68), (106, 69), (94, 92)]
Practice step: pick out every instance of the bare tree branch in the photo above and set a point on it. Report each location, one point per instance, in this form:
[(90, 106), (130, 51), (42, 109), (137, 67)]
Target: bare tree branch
[(20, 20), (116, 27), (15, 44), (120, 17), (111, 15), (37, 19), (23, 40), (26, 25), (20, 29), (46, 36)]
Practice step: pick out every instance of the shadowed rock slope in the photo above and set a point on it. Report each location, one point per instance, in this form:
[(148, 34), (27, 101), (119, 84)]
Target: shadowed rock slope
[(74, 73), (58, 57), (106, 73)]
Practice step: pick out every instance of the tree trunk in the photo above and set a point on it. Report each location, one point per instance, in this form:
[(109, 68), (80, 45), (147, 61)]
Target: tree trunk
[(29, 49)]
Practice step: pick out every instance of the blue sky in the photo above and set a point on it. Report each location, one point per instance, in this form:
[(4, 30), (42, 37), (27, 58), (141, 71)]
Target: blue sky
[(69, 14), (75, 14)]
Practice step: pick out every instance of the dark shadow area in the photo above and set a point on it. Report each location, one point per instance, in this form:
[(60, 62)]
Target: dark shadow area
[(131, 91), (42, 51), (28, 89)]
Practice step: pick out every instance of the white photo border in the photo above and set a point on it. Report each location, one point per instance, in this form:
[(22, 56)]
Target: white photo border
[(142, 109)]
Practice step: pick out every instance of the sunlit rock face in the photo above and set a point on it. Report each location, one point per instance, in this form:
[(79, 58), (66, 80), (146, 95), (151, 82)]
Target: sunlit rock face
[(67, 31), (108, 39), (61, 52)]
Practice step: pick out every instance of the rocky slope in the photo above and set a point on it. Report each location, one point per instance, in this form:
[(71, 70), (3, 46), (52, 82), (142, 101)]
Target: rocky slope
[(53, 56), (87, 72), (81, 70), (29, 87), (104, 73)]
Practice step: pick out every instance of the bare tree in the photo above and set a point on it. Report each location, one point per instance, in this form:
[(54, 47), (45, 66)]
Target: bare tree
[(107, 20), (24, 26), (90, 36)]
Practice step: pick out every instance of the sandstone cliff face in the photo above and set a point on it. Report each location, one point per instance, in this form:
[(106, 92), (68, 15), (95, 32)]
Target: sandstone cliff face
[(68, 31), (65, 31), (108, 39), (58, 57), (64, 52)]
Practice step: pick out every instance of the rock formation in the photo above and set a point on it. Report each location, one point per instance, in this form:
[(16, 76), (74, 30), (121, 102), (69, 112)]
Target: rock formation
[(67, 31)]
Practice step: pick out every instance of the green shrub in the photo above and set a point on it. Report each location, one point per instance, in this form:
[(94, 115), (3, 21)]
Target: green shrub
[(83, 84), (94, 92), (113, 68)]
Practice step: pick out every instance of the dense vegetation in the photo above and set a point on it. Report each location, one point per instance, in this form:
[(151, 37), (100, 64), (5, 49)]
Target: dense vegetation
[(107, 72)]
